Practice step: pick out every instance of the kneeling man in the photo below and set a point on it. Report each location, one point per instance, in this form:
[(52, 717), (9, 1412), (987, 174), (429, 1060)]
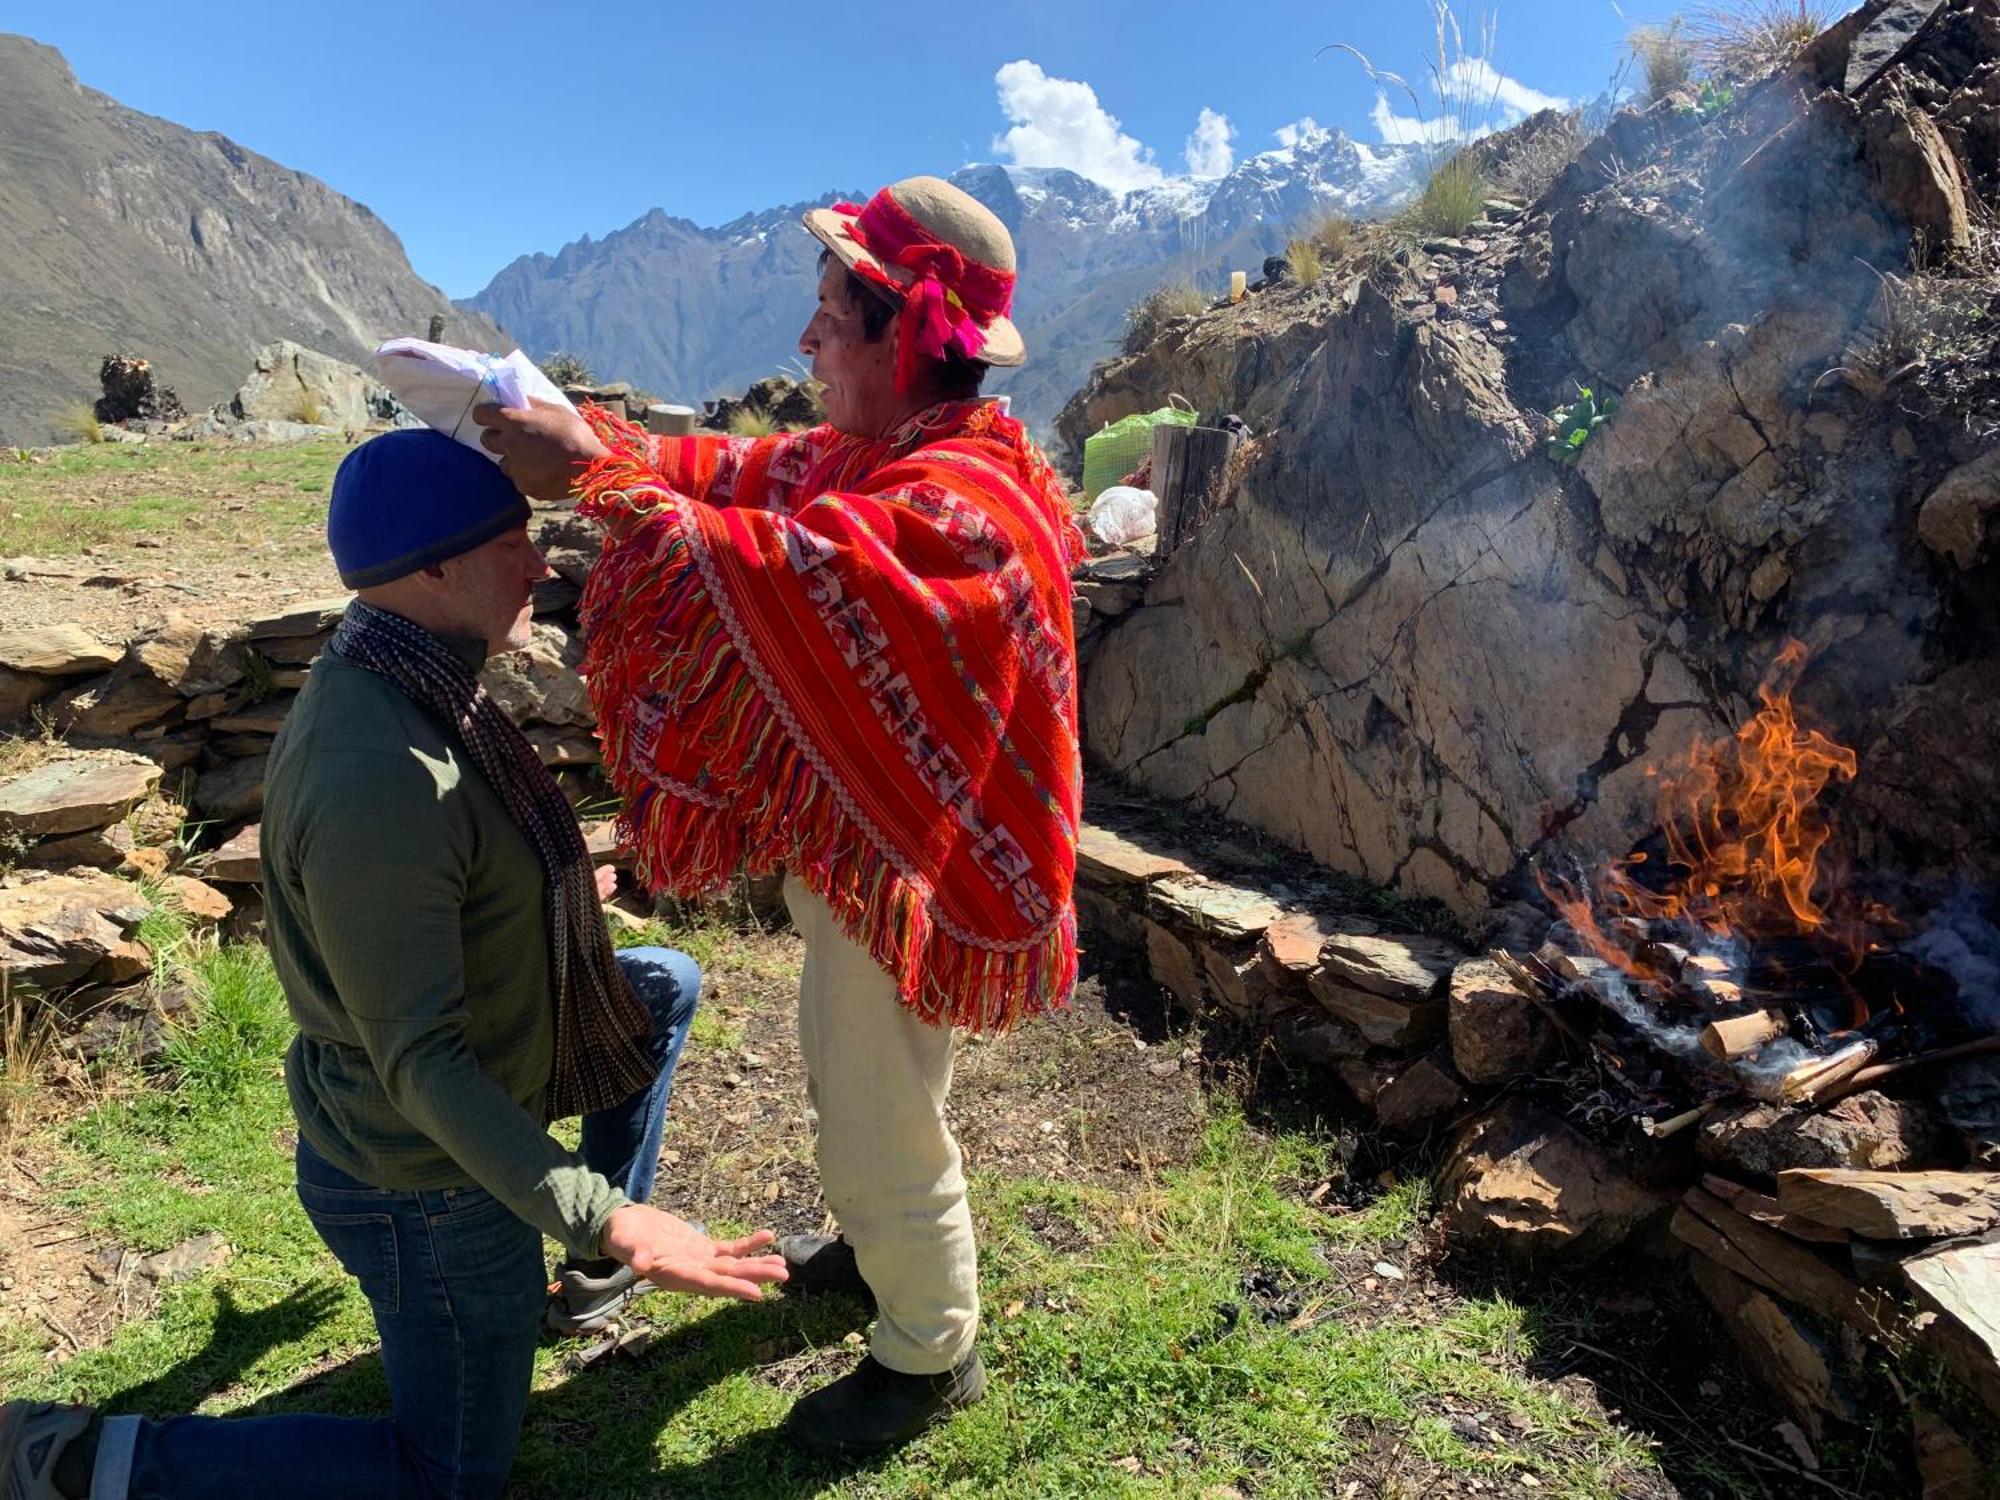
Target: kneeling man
[(439, 933)]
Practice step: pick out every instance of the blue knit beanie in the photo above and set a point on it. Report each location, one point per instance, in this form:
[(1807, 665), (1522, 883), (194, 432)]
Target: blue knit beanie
[(412, 498)]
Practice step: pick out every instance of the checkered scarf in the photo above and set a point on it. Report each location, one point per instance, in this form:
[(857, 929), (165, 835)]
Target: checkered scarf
[(602, 1029)]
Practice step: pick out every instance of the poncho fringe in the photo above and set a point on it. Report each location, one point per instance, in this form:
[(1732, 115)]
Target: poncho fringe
[(772, 806)]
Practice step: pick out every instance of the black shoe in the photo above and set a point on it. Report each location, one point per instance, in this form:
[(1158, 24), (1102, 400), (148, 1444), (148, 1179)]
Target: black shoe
[(822, 1263), (875, 1408)]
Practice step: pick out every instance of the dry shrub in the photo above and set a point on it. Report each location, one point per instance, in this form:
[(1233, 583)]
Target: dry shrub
[(564, 368), (1159, 307), (1932, 331), (1748, 38), (306, 407), (1535, 162), (27, 1050), (1665, 56)]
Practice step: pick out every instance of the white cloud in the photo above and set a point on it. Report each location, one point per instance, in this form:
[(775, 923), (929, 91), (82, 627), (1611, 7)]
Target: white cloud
[(1059, 123), (1301, 132), (1208, 150), (1477, 100)]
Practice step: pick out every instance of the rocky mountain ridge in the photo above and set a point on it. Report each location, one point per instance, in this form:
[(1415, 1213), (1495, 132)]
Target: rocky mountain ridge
[(691, 312), (120, 232)]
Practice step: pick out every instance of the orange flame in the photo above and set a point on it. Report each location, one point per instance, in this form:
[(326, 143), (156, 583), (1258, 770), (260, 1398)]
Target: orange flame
[(1743, 831)]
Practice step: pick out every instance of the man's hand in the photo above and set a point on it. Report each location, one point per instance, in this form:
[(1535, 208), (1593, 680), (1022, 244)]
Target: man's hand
[(607, 881), (672, 1253), (542, 449)]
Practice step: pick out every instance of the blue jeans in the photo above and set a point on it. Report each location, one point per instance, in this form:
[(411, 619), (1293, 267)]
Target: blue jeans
[(458, 1288)]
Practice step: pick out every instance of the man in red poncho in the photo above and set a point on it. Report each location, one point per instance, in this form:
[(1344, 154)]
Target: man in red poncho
[(848, 652)]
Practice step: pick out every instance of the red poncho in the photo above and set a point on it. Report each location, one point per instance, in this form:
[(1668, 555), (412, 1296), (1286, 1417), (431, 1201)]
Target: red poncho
[(854, 659)]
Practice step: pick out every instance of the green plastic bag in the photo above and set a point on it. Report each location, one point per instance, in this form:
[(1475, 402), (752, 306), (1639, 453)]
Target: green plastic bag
[(1114, 452)]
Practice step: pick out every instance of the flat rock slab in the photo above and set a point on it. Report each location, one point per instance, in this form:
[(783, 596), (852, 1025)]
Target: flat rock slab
[(56, 651), (75, 794), (1399, 1024), (1408, 967), (1106, 860), (1960, 1285), (1233, 913), (267, 717), (1294, 941), (240, 861), (57, 930), (1893, 1205), (313, 617)]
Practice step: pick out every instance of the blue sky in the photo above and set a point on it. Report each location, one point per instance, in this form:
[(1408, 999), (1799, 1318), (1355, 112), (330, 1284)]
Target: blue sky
[(483, 132)]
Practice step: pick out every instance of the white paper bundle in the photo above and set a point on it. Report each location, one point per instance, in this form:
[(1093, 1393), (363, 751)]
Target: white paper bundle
[(442, 384)]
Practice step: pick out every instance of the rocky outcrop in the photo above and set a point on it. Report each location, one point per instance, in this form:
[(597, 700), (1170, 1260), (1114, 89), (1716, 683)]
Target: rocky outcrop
[(291, 383), (1421, 650)]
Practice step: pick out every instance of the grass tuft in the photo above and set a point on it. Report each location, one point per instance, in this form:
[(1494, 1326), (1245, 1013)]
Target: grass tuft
[(1159, 307), (752, 422), (564, 368), (27, 1047), (78, 422), (1747, 39), (1304, 259), (1451, 200), (307, 408), (237, 1031), (1665, 58)]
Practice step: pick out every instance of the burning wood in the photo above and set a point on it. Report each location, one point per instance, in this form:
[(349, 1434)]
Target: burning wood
[(1739, 1036), (1809, 1080)]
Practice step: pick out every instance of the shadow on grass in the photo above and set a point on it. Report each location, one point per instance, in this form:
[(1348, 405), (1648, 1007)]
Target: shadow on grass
[(237, 1340), (596, 1431)]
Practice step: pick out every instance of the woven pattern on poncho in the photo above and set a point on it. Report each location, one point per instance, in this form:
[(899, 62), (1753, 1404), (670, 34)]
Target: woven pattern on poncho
[(853, 659)]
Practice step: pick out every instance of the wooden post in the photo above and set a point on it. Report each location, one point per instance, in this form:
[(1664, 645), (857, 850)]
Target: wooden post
[(436, 335), (1189, 467)]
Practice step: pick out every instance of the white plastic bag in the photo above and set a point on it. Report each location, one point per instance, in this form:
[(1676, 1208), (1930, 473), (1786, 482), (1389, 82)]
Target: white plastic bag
[(1121, 515), (442, 384)]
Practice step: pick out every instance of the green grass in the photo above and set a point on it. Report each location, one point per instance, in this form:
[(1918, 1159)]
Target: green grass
[(1135, 1365), (59, 504), (1451, 200)]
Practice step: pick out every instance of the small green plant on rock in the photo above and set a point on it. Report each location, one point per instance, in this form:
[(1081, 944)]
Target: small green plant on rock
[(1578, 421), (1710, 100)]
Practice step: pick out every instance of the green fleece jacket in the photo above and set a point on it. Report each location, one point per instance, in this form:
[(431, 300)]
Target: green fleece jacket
[(407, 917)]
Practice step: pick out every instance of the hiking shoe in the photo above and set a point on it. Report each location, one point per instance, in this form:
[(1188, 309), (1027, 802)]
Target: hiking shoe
[(33, 1435), (589, 1297), (818, 1263), (876, 1408)]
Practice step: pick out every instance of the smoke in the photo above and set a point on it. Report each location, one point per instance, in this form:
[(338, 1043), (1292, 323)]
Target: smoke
[(1962, 940)]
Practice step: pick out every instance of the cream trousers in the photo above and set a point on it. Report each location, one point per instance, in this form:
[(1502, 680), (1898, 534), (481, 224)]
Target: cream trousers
[(877, 1077)]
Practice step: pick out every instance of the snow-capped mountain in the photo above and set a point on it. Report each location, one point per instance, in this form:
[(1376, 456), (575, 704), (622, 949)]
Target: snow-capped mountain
[(692, 312)]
